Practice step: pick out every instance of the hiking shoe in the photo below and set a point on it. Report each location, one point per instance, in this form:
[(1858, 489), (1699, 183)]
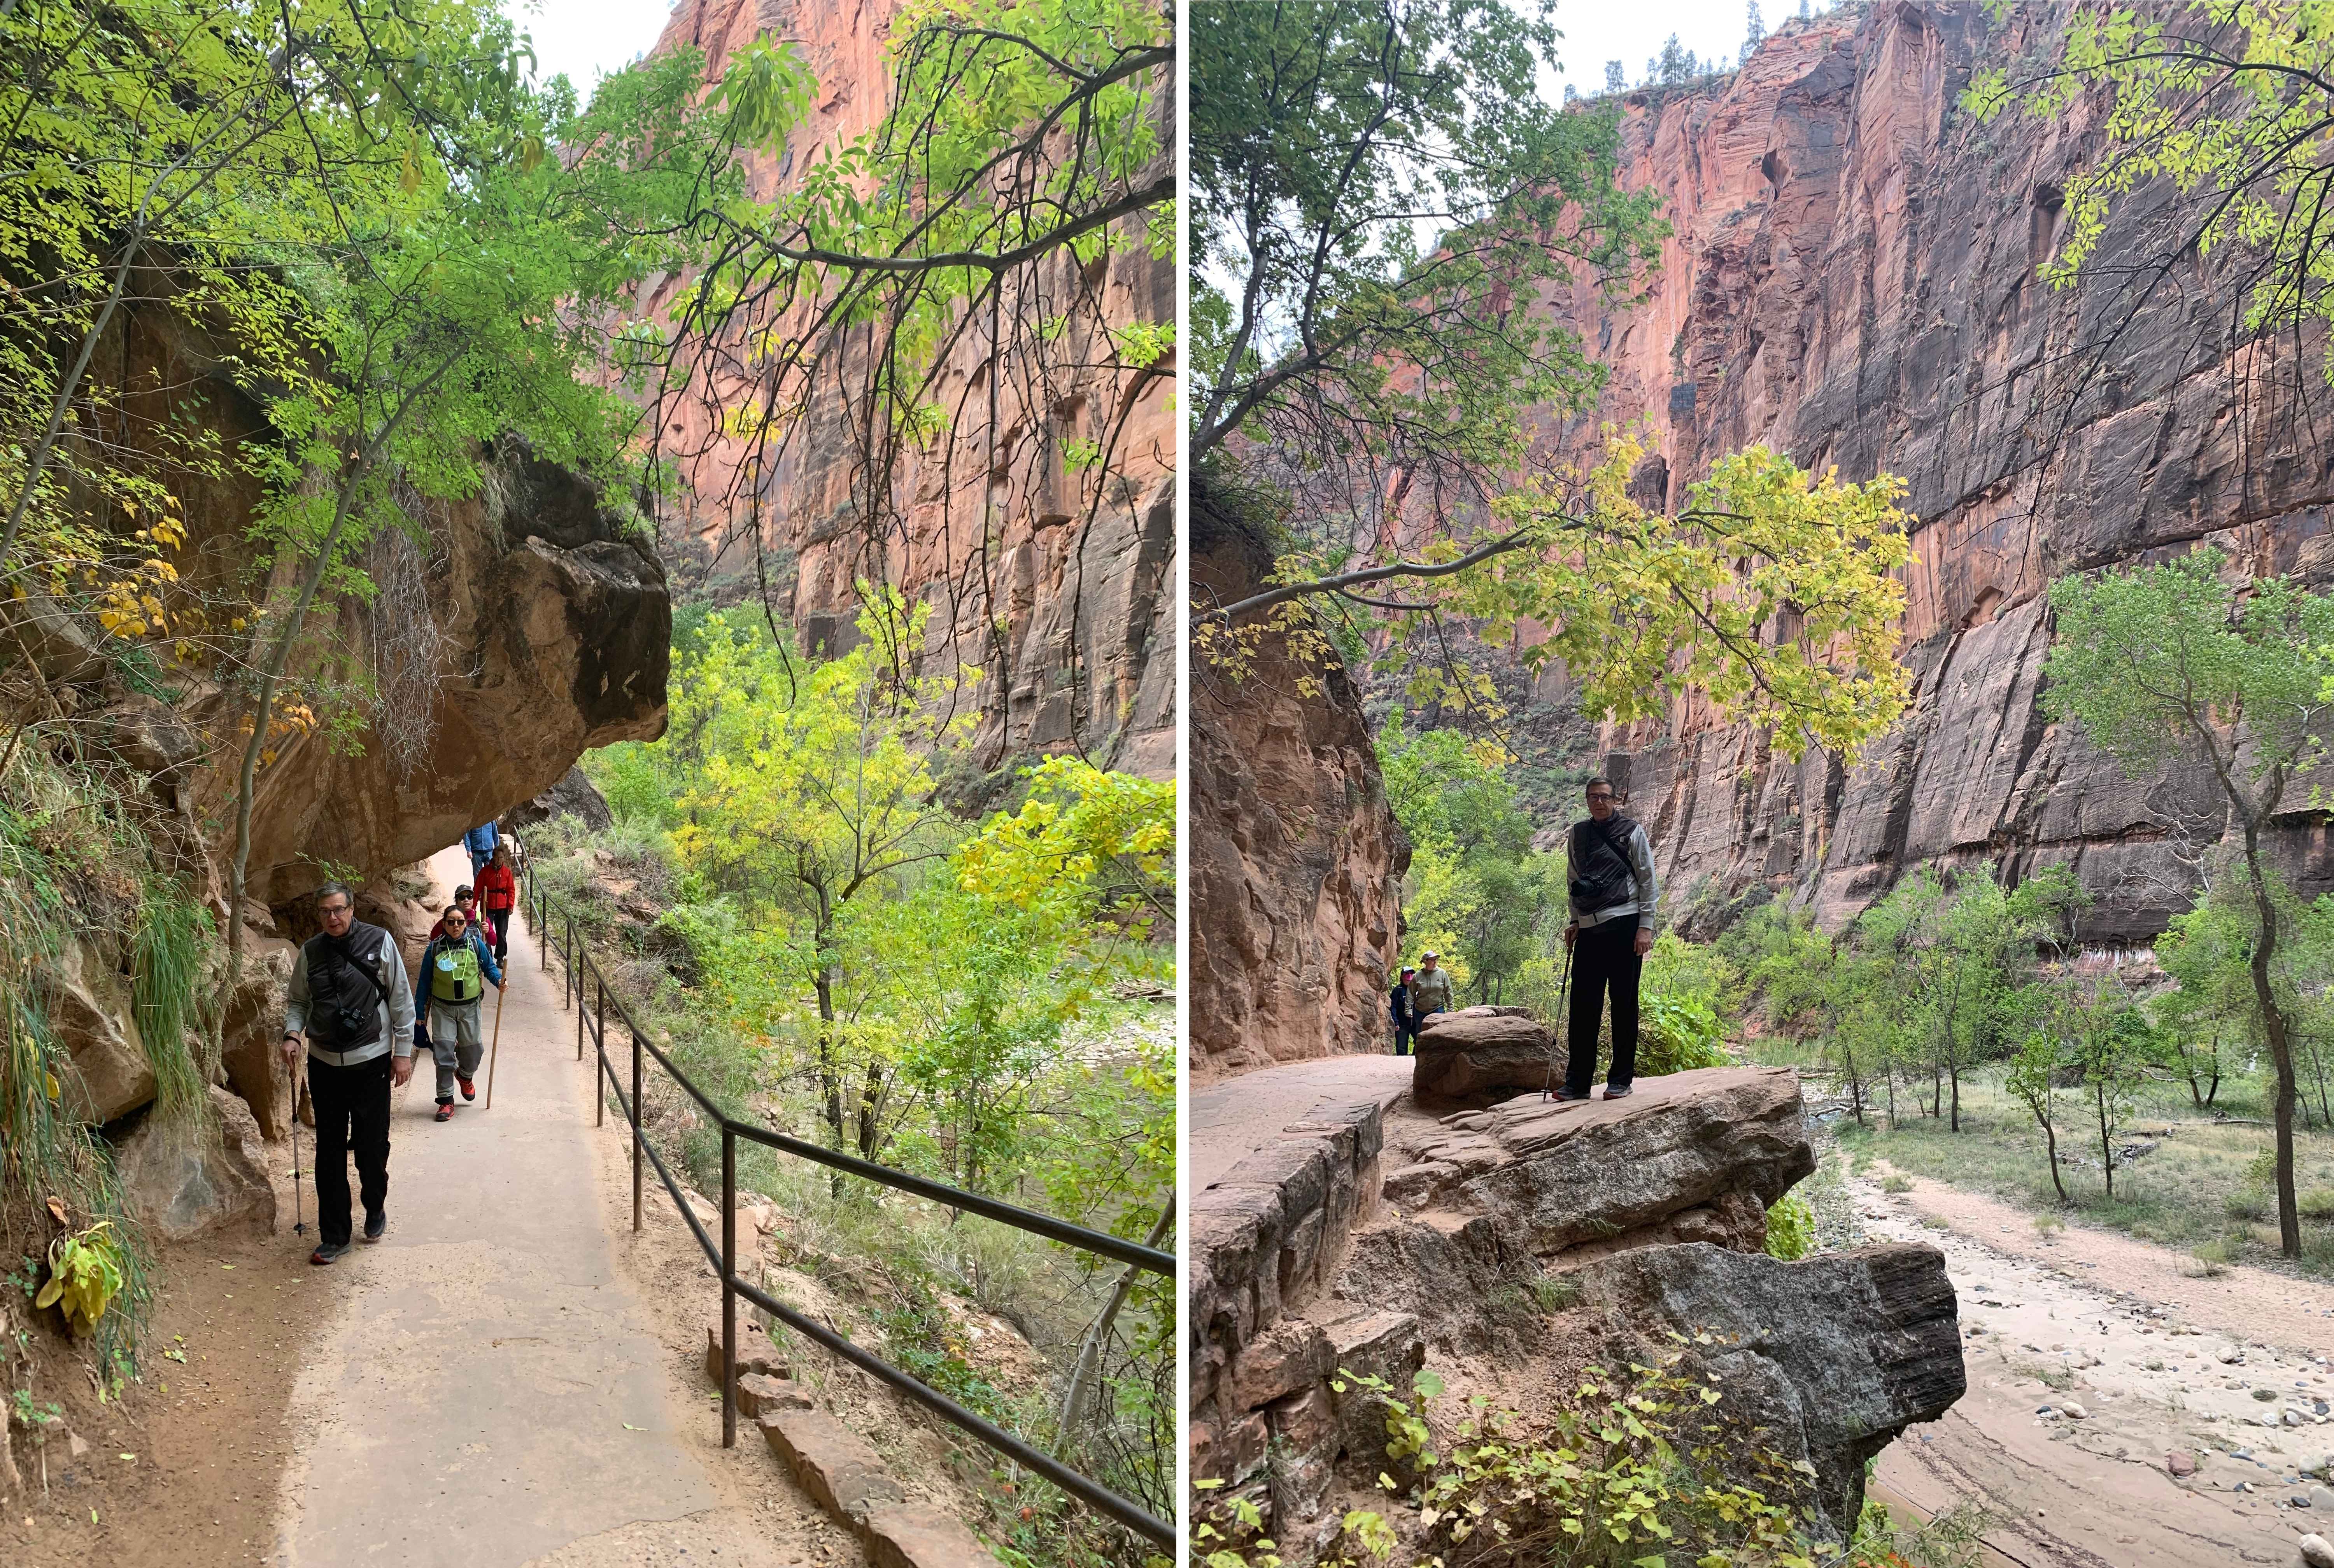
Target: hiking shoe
[(1566, 1094), (375, 1224), (1611, 1093), (469, 1087), (326, 1252), (445, 1110)]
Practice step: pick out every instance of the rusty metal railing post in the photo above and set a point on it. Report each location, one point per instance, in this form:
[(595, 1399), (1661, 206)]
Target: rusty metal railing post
[(635, 1034), (600, 1045), (729, 1286)]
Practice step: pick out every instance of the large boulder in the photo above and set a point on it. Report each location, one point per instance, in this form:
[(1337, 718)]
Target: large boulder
[(90, 1015), (181, 1180), (1833, 1356), (251, 1032), (1558, 1175), (1477, 1051), (573, 796)]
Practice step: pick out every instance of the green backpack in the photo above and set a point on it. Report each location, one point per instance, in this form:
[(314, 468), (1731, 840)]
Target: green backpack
[(454, 974)]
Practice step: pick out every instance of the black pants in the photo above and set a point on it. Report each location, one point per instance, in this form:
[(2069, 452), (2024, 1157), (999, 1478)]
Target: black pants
[(352, 1114), (498, 934), (1404, 1035), (1603, 958)]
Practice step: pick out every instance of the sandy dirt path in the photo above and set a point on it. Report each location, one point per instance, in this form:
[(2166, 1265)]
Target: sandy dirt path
[(2155, 1362)]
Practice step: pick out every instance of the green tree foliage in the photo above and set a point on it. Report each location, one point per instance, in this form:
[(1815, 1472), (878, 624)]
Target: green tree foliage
[(914, 287), (1380, 192), (2229, 102), (2167, 663), (1477, 893)]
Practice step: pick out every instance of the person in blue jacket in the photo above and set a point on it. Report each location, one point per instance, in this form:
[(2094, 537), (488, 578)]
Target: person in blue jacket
[(480, 842), (447, 993)]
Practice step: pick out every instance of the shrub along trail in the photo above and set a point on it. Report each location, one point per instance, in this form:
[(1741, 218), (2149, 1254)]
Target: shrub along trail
[(2090, 1321)]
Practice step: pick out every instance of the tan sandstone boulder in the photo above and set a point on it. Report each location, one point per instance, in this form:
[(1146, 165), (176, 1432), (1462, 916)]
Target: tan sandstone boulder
[(1479, 1052), (181, 1182)]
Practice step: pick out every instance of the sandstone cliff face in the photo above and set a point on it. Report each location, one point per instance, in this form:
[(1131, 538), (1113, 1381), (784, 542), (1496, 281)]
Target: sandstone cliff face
[(1063, 597), (530, 627), (1852, 281), (1295, 857)]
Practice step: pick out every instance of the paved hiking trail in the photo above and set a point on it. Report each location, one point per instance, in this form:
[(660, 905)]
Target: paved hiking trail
[(491, 1389)]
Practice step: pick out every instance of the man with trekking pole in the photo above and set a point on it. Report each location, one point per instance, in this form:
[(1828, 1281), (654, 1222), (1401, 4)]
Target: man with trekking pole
[(1614, 903), (349, 1004), (447, 995)]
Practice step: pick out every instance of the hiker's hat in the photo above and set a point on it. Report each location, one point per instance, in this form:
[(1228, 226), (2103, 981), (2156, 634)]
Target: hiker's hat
[(1410, 969), (1432, 954), (464, 891)]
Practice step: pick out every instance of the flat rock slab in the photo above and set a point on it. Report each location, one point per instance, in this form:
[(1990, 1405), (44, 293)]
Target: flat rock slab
[(909, 1535), (1232, 1119), (835, 1465), (1561, 1174)]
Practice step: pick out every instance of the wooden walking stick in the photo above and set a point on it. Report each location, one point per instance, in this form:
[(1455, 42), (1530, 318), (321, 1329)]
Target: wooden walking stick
[(501, 991)]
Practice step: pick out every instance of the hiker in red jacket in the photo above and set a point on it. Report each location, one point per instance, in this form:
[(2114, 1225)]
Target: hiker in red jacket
[(497, 896)]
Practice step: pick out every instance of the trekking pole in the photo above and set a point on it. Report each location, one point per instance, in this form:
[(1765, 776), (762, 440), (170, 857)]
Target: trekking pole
[(299, 1215), (1563, 991), (495, 1050)]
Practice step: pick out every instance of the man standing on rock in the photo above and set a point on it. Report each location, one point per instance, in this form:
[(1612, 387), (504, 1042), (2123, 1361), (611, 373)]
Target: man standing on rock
[(348, 998), (1614, 903), (1429, 991), (450, 991)]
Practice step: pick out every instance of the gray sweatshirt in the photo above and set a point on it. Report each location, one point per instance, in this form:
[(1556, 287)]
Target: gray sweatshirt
[(396, 1009), (1645, 902)]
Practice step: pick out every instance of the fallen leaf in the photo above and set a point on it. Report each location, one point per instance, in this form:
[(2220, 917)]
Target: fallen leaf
[(629, 1427), (57, 1208)]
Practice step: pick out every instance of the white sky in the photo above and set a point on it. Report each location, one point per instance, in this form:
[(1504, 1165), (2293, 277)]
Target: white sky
[(1595, 31), (589, 39)]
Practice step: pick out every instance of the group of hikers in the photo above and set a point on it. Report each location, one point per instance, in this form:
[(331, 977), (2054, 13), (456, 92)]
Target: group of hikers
[(360, 1019), (1613, 900)]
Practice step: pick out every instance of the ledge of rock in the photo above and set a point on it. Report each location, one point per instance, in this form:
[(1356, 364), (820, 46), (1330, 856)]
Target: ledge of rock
[(1561, 1174), (1834, 1354)]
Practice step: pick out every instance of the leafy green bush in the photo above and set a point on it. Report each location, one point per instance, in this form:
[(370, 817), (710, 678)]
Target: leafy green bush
[(1790, 1227), (2249, 1203), (1676, 1034), (2317, 1204)]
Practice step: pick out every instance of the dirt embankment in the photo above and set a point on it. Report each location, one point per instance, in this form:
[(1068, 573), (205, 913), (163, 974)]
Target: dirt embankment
[(183, 1467), (2098, 1367)]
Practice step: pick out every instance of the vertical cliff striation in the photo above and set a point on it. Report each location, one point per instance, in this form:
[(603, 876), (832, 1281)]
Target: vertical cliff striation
[(1852, 280), (1295, 857), (1052, 576)]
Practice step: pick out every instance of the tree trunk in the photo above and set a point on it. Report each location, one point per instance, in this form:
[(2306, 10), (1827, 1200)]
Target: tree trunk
[(1075, 1401), (2280, 1047), (2106, 1149), (2050, 1136)]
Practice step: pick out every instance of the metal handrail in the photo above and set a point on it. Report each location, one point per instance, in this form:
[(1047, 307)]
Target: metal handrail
[(591, 1021)]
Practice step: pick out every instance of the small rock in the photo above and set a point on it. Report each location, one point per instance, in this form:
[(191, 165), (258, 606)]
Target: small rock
[(2322, 1497), (2298, 1500), (74, 1447), (2072, 1412), (2180, 1462), (2233, 1358), (2265, 1395), (2317, 1552)]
